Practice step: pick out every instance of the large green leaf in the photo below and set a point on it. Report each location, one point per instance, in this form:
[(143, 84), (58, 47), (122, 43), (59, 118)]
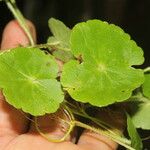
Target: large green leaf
[(61, 34), (105, 74), (28, 80), (135, 138)]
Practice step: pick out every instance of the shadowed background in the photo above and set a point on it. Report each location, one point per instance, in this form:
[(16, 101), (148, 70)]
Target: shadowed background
[(132, 15)]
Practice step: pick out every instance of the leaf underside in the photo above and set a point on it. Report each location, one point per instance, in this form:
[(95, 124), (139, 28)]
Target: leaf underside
[(105, 74), (28, 80)]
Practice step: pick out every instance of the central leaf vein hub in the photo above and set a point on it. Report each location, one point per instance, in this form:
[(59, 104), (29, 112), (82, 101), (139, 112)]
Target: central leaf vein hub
[(101, 67)]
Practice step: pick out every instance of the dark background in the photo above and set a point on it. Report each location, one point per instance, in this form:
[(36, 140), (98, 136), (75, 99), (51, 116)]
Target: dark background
[(132, 15)]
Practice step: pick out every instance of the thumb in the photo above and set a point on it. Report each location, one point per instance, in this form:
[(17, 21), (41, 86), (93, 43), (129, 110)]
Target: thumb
[(12, 122), (12, 36)]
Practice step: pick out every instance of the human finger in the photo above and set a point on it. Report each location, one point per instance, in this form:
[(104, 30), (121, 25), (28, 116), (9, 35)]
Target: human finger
[(13, 35), (90, 140), (12, 121)]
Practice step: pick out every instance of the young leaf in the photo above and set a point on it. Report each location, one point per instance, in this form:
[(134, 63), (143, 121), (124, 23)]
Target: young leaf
[(135, 138), (53, 41), (60, 32), (105, 74), (64, 56), (28, 80), (146, 86)]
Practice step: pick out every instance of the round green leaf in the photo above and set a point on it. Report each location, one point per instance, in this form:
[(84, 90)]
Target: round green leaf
[(105, 74), (28, 80)]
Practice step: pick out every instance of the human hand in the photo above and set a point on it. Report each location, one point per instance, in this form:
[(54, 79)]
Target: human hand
[(18, 133)]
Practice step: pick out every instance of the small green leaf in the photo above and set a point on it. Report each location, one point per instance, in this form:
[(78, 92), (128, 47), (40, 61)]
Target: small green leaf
[(105, 75), (146, 86), (140, 114), (135, 138), (60, 32), (140, 108), (28, 80)]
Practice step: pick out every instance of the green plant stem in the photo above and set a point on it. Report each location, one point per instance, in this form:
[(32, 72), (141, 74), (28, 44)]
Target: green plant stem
[(46, 45), (101, 123), (72, 123), (140, 98), (50, 45), (20, 18), (147, 69), (82, 113), (109, 131), (71, 126), (146, 138), (117, 136), (101, 132)]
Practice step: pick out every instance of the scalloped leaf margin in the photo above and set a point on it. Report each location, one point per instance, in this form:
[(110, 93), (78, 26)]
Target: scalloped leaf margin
[(28, 80), (105, 75)]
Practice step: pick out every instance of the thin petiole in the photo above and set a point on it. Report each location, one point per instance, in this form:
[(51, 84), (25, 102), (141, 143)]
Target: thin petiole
[(49, 45), (147, 69), (11, 4), (101, 132), (102, 125), (71, 126)]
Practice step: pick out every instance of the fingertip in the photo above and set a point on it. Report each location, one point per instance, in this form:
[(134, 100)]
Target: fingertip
[(13, 35)]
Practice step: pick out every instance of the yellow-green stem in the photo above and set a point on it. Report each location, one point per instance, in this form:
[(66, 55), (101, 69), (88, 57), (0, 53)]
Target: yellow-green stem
[(50, 45), (101, 132), (147, 69), (71, 126), (102, 125), (20, 18)]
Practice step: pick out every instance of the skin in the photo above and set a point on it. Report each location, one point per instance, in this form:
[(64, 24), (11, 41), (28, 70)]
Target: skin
[(18, 133)]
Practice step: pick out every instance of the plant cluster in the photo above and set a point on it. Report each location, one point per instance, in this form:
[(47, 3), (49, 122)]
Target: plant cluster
[(99, 72)]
